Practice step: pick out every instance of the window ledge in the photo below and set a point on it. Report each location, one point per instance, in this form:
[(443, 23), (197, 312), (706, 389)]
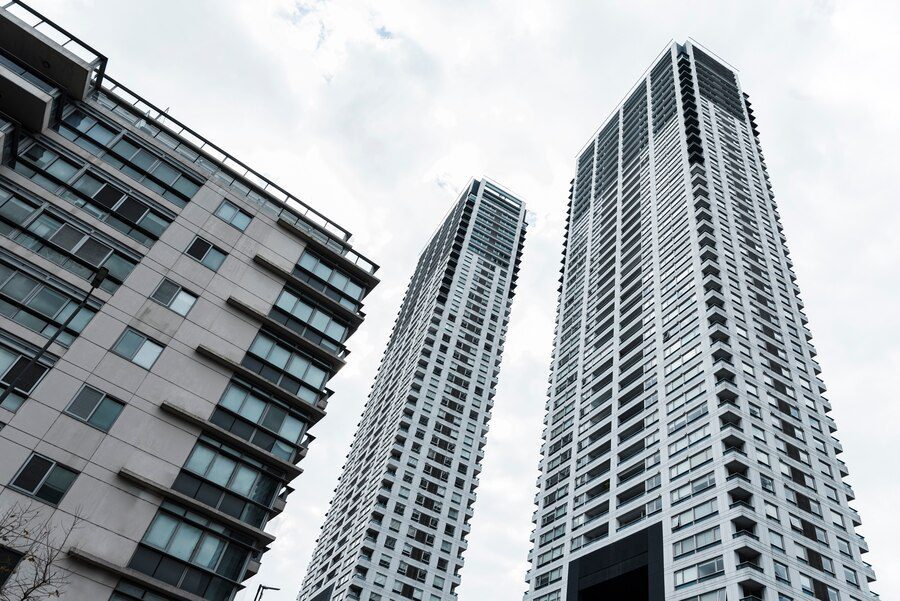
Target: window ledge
[(131, 574), (370, 280), (313, 412), (333, 360), (290, 469), (355, 318), (168, 493)]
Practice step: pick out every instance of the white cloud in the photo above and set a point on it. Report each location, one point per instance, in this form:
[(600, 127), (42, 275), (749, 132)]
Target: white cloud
[(377, 112)]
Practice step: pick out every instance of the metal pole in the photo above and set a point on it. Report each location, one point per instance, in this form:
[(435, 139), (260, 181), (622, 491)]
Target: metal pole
[(99, 276), (262, 589)]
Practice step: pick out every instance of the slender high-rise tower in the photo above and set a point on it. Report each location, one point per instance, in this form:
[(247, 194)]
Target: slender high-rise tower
[(688, 453), (398, 522)]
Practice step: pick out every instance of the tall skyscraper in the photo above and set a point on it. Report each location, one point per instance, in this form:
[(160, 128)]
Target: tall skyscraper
[(688, 453), (398, 522), (164, 409)]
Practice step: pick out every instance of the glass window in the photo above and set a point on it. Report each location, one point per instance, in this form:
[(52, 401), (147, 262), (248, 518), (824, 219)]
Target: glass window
[(138, 348), (781, 572), (234, 216), (279, 362), (207, 254), (9, 559), (309, 320), (124, 153), (44, 479), (95, 407), (844, 547), (174, 296), (59, 238), (230, 481), (36, 301), (276, 430), (192, 543), (777, 540), (19, 368), (329, 280), (78, 184)]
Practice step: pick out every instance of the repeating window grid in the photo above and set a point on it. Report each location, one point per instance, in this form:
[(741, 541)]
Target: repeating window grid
[(84, 187), (130, 156), (62, 240)]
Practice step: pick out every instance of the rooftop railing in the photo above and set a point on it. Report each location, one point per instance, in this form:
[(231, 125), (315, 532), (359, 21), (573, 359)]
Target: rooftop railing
[(57, 34), (230, 171)]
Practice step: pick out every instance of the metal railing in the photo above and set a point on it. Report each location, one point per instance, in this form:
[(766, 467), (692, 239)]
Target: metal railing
[(232, 172), (60, 36)]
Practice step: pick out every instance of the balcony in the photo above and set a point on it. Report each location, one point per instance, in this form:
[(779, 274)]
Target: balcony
[(230, 171), (744, 526), (740, 497), (290, 470), (9, 139), (50, 50), (25, 98)]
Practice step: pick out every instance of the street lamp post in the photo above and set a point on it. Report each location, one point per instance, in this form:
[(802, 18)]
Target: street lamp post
[(262, 589), (98, 278)]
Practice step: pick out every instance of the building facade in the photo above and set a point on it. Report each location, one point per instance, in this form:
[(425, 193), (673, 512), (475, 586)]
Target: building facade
[(170, 321), (688, 453), (398, 522)]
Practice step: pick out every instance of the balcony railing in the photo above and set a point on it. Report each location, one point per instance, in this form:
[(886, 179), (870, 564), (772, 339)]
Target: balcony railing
[(57, 34), (228, 170)]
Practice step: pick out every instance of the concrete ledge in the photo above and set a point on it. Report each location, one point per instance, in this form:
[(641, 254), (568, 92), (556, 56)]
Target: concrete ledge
[(313, 412), (333, 360), (354, 318), (152, 583), (46, 56), (197, 506), (205, 425), (24, 101), (368, 279)]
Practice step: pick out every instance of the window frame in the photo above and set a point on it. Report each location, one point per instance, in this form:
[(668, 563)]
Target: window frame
[(306, 327), (9, 562), (180, 290), (69, 189), (206, 253), (109, 153), (46, 284), (25, 356), (87, 420), (294, 353), (238, 211), (43, 479), (119, 259), (146, 339), (344, 298), (240, 392)]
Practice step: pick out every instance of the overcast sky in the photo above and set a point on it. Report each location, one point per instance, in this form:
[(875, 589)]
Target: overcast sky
[(377, 113)]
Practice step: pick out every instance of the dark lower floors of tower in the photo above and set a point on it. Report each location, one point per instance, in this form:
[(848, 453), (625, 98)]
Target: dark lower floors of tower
[(629, 569)]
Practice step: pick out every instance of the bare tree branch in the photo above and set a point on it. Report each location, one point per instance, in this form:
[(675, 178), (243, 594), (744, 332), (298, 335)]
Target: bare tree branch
[(38, 574)]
